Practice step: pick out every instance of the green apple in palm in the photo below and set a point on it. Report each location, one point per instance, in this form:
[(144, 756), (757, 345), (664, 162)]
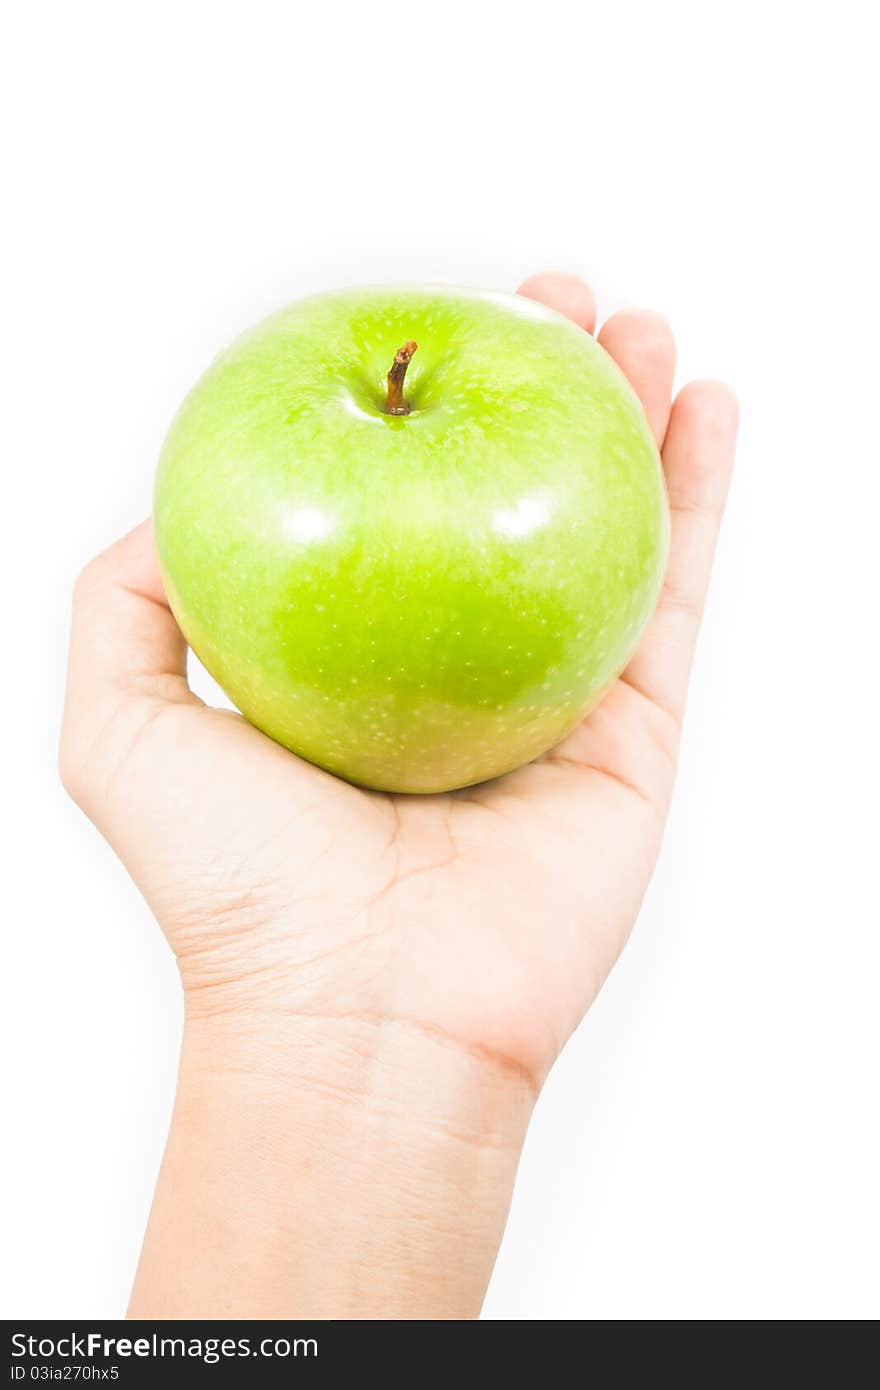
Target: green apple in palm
[(416, 566)]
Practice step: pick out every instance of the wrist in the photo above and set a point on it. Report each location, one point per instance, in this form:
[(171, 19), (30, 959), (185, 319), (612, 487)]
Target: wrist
[(368, 1167), (402, 1074)]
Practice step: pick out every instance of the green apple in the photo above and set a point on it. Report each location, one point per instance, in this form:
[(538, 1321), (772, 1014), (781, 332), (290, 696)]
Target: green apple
[(417, 569)]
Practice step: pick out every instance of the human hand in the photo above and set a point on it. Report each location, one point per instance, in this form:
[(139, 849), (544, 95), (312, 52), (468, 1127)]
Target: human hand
[(410, 955)]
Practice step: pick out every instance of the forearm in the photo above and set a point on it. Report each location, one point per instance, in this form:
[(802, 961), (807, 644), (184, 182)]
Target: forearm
[(330, 1169)]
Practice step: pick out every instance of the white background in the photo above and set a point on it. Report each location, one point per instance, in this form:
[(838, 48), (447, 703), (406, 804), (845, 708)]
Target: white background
[(707, 1146)]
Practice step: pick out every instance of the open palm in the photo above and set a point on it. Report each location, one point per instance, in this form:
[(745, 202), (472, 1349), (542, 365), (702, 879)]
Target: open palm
[(486, 919)]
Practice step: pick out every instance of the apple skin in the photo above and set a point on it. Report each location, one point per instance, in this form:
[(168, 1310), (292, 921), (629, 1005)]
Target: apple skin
[(415, 603)]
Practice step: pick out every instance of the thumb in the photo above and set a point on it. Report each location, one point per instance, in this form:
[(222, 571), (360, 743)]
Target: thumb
[(127, 663)]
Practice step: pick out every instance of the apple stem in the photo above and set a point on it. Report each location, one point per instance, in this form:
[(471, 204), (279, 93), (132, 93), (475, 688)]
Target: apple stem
[(394, 401)]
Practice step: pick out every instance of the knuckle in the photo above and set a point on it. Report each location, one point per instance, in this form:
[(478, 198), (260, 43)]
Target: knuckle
[(650, 331), (90, 578), (716, 403), (72, 773)]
